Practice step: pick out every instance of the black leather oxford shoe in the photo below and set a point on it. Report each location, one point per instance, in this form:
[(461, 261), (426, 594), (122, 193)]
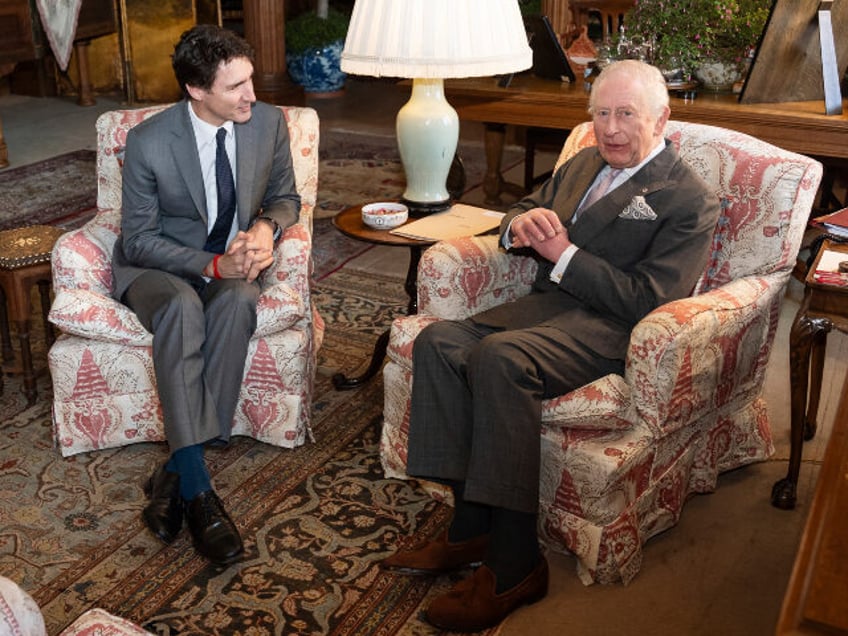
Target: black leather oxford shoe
[(164, 513), (214, 534)]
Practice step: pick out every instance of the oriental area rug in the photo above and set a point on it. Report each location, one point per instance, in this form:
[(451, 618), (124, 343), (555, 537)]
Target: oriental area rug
[(316, 520)]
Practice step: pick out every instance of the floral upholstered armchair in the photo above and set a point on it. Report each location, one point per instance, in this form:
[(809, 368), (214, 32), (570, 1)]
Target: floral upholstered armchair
[(104, 389), (621, 455)]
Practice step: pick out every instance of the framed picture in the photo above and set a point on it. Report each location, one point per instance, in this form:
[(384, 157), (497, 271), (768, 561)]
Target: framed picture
[(788, 63)]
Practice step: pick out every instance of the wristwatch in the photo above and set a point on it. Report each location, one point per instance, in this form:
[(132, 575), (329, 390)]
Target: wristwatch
[(278, 231)]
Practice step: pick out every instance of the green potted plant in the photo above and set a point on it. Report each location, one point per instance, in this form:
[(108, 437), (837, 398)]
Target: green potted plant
[(693, 34), (314, 43)]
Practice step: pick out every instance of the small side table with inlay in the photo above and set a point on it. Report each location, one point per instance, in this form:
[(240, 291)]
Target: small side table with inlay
[(24, 262)]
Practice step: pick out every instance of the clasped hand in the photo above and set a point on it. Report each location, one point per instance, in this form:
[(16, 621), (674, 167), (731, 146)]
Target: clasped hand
[(248, 254), (541, 230)]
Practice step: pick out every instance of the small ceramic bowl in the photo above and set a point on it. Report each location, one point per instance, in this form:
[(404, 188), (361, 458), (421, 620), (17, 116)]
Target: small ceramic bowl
[(384, 216)]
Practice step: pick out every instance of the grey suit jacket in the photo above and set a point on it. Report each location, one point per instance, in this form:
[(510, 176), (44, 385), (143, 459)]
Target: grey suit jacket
[(163, 213), (625, 266)]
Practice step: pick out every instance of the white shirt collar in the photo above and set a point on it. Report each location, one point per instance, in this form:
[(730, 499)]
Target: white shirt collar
[(203, 130), (629, 172)]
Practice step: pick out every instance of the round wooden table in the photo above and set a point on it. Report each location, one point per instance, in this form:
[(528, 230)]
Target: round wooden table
[(349, 222)]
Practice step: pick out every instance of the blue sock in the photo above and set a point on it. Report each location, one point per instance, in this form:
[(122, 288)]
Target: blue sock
[(194, 477)]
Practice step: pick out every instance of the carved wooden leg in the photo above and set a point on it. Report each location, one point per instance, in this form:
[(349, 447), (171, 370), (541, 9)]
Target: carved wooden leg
[(4, 153), (30, 387), (803, 334), (44, 294), (5, 333), (816, 373), (343, 383)]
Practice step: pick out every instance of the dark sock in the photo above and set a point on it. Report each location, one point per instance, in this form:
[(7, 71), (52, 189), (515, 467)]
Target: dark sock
[(513, 547), (194, 477), (470, 519)]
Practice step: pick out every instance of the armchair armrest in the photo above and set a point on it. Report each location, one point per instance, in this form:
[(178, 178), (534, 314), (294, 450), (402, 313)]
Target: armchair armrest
[(695, 355), (82, 285), (285, 284), (91, 314), (465, 276), (82, 258), (685, 359)]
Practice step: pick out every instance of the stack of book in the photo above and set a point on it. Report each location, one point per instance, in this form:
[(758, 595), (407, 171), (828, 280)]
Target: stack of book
[(835, 223)]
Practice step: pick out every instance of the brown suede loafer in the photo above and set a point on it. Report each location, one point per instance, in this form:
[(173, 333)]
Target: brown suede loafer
[(472, 604), (437, 556)]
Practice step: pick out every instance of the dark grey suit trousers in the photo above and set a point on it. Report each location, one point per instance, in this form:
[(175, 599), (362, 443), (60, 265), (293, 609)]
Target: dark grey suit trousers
[(200, 341), (476, 404)]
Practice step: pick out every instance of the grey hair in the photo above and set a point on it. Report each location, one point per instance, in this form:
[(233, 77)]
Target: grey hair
[(650, 77)]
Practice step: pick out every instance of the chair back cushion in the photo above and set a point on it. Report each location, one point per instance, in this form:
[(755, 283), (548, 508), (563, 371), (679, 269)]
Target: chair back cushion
[(759, 186), (112, 128)]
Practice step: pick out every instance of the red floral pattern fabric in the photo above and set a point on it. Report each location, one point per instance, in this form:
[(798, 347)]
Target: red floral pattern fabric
[(104, 388), (621, 455)]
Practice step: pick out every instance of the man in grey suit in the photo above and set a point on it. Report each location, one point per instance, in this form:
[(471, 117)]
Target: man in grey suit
[(618, 230), (208, 188)]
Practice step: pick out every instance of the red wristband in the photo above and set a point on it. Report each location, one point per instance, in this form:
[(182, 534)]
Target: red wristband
[(215, 266)]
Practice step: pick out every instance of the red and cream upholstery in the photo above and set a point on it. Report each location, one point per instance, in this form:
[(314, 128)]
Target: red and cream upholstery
[(621, 455), (104, 388)]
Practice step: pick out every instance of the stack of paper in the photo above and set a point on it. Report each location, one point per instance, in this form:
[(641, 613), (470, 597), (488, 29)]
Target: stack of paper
[(457, 221), (835, 223)]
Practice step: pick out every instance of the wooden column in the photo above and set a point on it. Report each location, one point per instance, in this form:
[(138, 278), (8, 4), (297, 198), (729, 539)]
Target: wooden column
[(559, 14), (265, 29), (86, 96)]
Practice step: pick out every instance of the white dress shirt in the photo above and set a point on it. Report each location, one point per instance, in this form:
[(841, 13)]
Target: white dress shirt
[(204, 134)]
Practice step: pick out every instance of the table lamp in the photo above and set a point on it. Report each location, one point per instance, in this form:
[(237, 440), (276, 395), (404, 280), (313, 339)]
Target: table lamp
[(428, 41)]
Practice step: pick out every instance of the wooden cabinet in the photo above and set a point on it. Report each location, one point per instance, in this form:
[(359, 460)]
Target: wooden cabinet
[(24, 48), (20, 36)]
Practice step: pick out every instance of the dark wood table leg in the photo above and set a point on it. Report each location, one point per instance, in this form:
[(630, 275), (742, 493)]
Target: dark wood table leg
[(804, 337), (817, 351), (493, 183), (44, 293), (30, 388), (5, 335), (343, 383)]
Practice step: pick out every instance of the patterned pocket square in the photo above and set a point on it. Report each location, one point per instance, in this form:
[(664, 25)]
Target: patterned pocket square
[(638, 210)]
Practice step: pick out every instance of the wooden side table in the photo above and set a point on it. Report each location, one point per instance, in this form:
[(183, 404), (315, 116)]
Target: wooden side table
[(349, 222), (24, 262), (824, 308)]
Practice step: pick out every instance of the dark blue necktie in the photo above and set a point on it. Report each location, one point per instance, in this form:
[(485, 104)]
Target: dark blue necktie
[(217, 239)]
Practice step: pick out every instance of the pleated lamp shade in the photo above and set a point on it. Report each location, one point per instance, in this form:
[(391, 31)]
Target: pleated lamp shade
[(428, 41)]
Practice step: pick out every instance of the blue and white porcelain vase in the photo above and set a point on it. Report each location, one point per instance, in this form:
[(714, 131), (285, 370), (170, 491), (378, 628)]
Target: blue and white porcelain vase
[(318, 69)]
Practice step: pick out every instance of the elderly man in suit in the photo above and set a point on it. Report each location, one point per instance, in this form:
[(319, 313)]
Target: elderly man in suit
[(618, 230), (208, 187)]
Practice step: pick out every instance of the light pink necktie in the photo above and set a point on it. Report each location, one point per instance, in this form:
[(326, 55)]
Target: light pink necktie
[(600, 189)]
